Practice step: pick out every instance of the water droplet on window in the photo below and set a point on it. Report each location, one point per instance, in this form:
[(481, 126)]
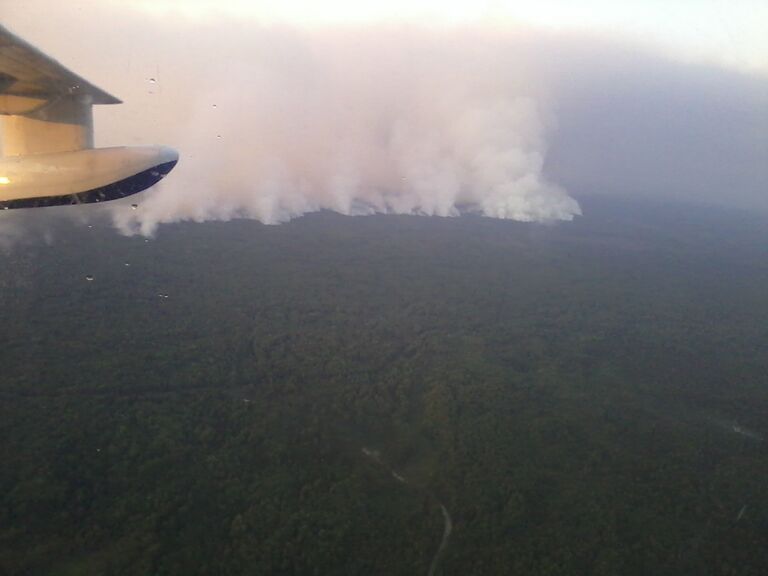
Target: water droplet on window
[(218, 136), (127, 264), (89, 278), (214, 105), (134, 206), (152, 80)]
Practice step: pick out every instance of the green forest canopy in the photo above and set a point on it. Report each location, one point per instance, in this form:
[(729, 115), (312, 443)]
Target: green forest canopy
[(585, 398)]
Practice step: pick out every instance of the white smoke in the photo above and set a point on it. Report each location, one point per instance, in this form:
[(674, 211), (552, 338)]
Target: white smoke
[(273, 123), (408, 118)]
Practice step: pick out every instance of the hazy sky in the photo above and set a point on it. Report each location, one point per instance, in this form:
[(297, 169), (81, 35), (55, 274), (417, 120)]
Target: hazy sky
[(512, 109), (734, 32)]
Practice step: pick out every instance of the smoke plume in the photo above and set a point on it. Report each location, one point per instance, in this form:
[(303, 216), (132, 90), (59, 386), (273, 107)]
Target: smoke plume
[(279, 122), (273, 121)]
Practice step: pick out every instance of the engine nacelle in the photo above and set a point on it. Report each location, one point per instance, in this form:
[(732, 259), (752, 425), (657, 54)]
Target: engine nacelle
[(81, 176)]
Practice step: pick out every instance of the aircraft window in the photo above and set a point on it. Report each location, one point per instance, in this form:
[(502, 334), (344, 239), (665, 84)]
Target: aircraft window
[(392, 288)]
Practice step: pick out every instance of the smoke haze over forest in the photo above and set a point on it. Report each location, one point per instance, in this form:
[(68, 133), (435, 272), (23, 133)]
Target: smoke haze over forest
[(276, 120)]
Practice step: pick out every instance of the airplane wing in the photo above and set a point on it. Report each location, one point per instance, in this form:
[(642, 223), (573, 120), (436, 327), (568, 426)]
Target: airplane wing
[(46, 137), (25, 72), (47, 108)]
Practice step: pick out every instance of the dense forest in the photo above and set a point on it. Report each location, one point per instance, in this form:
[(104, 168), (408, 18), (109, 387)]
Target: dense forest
[(584, 398)]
